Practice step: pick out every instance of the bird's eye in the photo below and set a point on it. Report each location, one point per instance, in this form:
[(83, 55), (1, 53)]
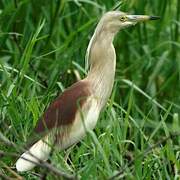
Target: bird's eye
[(123, 18)]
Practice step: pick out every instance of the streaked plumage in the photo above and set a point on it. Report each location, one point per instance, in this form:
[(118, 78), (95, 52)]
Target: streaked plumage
[(77, 109)]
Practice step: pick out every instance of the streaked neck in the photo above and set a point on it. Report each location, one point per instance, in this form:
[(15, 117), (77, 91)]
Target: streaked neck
[(102, 60)]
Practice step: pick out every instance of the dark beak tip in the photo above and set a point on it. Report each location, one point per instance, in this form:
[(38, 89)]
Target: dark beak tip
[(154, 17)]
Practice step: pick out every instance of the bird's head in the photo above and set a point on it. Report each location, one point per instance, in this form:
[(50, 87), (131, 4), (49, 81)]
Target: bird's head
[(113, 21)]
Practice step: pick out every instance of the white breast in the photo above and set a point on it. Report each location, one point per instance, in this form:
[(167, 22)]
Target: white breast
[(86, 119)]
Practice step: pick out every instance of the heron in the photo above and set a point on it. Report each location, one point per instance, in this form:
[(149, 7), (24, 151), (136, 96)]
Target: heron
[(76, 111)]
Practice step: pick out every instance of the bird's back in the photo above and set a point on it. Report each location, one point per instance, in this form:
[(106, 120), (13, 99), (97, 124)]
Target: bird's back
[(63, 109), (64, 123)]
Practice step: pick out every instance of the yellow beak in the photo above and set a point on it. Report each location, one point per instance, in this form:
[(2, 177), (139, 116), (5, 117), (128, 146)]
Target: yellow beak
[(141, 18)]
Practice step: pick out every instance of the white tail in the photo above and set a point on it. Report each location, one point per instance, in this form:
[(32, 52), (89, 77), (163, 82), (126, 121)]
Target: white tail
[(39, 151)]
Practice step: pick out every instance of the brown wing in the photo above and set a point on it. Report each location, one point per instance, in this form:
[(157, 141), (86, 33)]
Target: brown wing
[(63, 110)]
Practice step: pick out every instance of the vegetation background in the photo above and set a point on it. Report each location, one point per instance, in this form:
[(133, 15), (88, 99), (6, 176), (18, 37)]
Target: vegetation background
[(42, 50)]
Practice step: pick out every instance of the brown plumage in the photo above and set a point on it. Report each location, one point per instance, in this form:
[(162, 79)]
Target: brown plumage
[(77, 109), (63, 110)]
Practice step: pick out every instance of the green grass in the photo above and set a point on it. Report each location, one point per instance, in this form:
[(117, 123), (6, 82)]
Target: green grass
[(43, 43)]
